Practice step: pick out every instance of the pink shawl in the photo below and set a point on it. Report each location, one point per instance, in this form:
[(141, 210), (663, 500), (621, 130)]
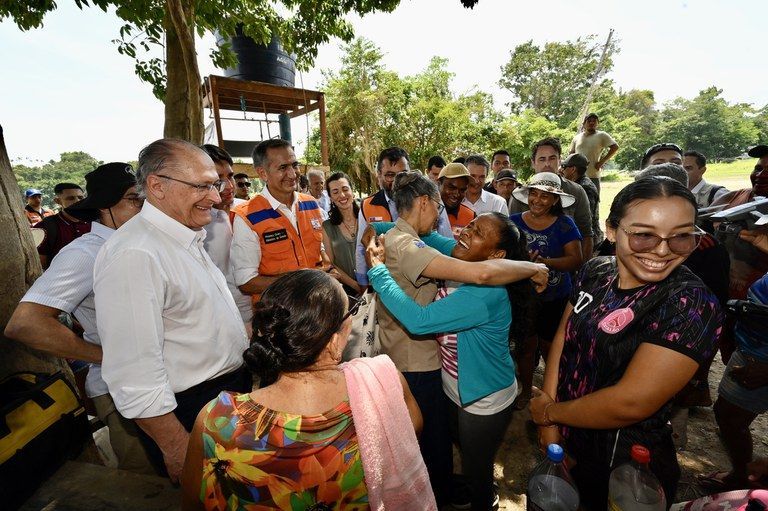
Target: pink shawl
[(394, 470)]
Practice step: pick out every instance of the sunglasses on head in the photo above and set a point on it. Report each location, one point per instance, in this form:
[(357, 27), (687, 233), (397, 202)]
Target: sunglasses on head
[(680, 244)]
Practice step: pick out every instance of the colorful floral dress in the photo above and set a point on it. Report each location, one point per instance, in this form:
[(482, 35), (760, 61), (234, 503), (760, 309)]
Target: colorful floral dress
[(259, 459)]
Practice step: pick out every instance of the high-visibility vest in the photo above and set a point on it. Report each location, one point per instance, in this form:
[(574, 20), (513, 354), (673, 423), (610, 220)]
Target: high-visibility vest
[(375, 208), (284, 248), (464, 215)]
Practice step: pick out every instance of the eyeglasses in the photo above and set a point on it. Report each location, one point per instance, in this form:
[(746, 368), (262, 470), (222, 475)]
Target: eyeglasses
[(201, 188), (135, 200), (680, 244), (440, 206), (354, 306), (243, 185)]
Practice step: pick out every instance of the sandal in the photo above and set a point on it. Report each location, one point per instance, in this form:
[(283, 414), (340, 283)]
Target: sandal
[(719, 482)]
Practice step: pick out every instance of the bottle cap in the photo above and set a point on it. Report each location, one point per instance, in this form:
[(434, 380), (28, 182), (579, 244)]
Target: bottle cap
[(640, 454), (555, 453)]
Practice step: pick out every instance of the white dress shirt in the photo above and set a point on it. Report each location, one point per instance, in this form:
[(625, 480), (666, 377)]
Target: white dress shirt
[(488, 202), (67, 285), (166, 318), (246, 248), (325, 204), (218, 242)]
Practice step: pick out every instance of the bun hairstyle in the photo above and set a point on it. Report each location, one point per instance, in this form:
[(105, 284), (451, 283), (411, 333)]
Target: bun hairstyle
[(409, 186), (292, 324)]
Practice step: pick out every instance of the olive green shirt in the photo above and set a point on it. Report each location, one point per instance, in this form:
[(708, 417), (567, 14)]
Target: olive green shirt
[(406, 258)]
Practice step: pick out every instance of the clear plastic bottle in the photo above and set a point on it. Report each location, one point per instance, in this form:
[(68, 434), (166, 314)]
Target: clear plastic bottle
[(550, 486), (633, 487)]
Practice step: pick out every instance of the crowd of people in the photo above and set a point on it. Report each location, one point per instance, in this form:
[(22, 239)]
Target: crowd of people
[(213, 321)]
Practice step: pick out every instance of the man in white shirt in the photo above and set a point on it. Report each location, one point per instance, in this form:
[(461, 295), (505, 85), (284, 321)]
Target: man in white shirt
[(218, 238), (67, 286), (278, 230), (591, 143), (172, 336), (695, 164), (481, 201), (317, 190)]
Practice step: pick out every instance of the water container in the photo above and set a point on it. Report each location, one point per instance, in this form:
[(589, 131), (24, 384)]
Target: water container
[(262, 63), (550, 486), (633, 487)]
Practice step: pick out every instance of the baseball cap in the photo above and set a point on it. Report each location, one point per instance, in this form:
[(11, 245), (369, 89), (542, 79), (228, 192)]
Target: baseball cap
[(758, 151), (575, 160), (105, 187), (32, 192), (505, 174), (454, 170), (658, 148), (591, 115)]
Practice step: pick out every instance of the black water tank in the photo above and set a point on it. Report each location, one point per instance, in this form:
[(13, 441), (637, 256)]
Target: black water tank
[(270, 64)]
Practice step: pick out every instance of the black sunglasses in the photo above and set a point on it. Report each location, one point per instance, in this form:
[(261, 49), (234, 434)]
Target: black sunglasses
[(354, 306), (243, 185)]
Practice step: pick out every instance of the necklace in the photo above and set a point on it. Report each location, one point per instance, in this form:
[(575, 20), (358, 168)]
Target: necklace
[(351, 230)]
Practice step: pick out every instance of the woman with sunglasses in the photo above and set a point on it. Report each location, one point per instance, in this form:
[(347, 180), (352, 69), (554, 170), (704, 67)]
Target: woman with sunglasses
[(635, 330), (303, 440)]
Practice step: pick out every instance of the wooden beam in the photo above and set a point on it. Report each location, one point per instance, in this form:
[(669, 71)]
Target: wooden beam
[(301, 111), (217, 116), (245, 86), (323, 136)]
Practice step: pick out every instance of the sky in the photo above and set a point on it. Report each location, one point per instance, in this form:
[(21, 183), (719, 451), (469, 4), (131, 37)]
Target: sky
[(65, 87)]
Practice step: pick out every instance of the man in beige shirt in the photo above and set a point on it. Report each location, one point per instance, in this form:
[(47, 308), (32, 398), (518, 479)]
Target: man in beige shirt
[(591, 143)]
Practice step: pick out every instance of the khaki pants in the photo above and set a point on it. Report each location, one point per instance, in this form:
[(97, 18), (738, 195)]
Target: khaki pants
[(123, 437)]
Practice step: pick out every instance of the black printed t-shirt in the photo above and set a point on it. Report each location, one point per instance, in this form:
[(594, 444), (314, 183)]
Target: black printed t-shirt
[(608, 324)]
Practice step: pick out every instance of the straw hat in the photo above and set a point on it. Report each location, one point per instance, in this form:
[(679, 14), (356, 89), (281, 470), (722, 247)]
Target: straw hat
[(546, 182)]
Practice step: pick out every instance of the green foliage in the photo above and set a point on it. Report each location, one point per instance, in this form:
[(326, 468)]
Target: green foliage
[(709, 124), (301, 25), (70, 168), (553, 80), (370, 108)]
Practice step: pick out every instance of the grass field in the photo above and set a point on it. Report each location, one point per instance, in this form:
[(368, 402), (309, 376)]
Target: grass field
[(731, 175)]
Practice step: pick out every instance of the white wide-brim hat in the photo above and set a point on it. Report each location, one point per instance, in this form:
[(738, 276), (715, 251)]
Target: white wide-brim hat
[(546, 182)]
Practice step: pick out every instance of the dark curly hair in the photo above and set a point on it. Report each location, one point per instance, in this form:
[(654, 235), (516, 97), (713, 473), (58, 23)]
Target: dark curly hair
[(292, 324), (521, 293), (335, 215)]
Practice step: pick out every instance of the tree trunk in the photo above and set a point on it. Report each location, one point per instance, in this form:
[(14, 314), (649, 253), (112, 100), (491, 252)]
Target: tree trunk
[(19, 266), (183, 99)]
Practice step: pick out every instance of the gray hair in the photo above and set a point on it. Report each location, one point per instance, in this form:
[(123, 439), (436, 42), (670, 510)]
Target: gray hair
[(409, 186), (158, 156), (671, 170), (259, 153), (316, 172)]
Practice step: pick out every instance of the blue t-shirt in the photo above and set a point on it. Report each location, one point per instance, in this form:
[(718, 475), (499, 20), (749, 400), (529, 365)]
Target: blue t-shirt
[(750, 331), (550, 243)]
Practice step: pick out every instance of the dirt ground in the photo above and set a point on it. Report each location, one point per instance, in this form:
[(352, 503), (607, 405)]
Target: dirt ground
[(703, 454)]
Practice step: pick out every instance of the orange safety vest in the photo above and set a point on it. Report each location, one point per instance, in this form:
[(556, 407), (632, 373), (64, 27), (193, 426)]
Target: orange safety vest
[(283, 248), (375, 208), (464, 215)]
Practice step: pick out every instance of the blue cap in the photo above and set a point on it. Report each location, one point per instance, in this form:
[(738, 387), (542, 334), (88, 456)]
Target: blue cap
[(555, 453), (32, 191)]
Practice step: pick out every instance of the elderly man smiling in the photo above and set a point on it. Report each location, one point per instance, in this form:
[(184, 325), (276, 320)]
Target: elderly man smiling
[(171, 334)]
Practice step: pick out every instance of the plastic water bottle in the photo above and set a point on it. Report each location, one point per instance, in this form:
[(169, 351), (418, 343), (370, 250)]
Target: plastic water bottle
[(550, 486), (633, 487)]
